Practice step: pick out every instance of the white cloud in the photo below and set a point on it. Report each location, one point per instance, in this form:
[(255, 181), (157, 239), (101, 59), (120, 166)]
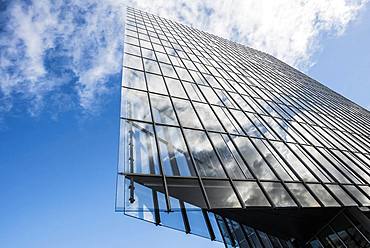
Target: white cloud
[(48, 46), (287, 29)]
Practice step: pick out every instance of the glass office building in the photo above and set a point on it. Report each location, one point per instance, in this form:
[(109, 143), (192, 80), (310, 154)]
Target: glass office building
[(226, 142)]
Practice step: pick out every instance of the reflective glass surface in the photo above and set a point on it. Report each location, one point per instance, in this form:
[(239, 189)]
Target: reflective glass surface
[(202, 117), (279, 196), (251, 194)]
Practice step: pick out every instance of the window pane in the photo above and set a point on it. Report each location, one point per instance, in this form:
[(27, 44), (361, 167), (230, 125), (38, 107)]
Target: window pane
[(225, 99), (205, 157), (271, 159), (221, 194), (188, 190), (135, 50), (174, 155), (162, 110), (278, 194), (327, 165), (133, 62), (263, 128), (246, 124), (186, 113), (302, 195), (295, 163), (139, 153), (148, 53), (171, 219), (251, 194), (210, 95), (156, 83), (168, 70), (133, 79), (342, 195), (323, 195), (227, 120), (175, 88), (254, 159), (193, 92), (358, 194), (183, 74), (227, 157), (302, 154), (151, 66), (208, 117), (135, 105)]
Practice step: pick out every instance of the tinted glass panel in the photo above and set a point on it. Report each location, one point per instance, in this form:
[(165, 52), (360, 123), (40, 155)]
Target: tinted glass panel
[(221, 194), (133, 79), (208, 117), (278, 194), (302, 195), (227, 157), (205, 157), (173, 152), (175, 88), (135, 105), (323, 195), (140, 153), (251, 194), (186, 113), (358, 195), (257, 164), (341, 195), (162, 110), (156, 83)]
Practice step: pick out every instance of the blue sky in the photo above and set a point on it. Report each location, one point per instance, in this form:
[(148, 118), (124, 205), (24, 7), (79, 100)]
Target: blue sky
[(59, 109)]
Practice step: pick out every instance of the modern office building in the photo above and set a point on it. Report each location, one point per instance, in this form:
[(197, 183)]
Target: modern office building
[(226, 142)]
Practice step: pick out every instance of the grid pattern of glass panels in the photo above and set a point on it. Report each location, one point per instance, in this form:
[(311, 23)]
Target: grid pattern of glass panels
[(247, 128)]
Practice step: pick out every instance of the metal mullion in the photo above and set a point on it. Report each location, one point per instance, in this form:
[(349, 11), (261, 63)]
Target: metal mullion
[(119, 150), (245, 235), (233, 243), (209, 225), (168, 203), (184, 217), (185, 139), (156, 207), (228, 148)]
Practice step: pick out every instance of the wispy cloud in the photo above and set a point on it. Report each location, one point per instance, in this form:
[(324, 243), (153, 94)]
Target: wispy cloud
[(59, 50), (64, 54), (288, 29)]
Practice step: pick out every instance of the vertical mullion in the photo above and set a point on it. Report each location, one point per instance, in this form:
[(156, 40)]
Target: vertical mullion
[(208, 224), (182, 129), (212, 143), (185, 217), (168, 203)]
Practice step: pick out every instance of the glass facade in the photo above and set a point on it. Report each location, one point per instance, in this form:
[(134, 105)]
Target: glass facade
[(209, 124)]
